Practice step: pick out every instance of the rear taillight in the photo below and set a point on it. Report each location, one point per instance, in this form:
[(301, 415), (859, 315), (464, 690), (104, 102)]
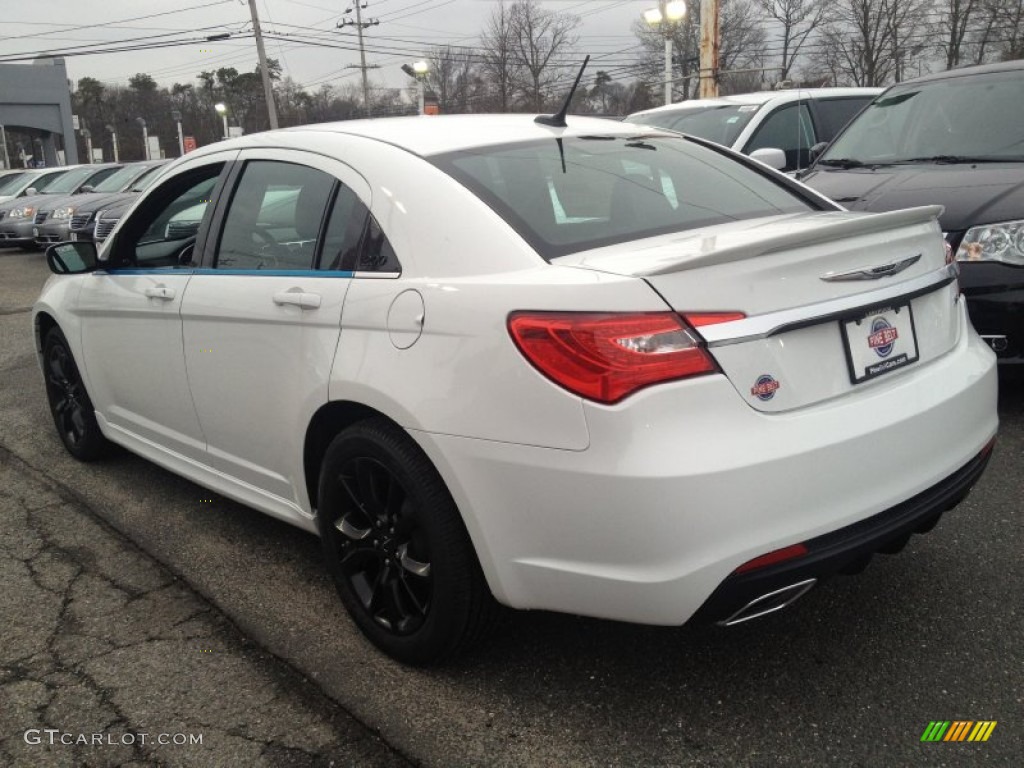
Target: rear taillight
[(607, 356)]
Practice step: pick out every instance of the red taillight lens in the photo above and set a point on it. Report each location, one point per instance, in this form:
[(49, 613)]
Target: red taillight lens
[(605, 357), (776, 556)]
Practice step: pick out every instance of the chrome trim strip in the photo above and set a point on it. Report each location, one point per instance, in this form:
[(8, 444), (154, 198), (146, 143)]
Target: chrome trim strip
[(377, 275), (772, 323)]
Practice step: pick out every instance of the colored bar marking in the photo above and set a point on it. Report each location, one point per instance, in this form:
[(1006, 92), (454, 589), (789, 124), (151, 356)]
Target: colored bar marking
[(965, 730), (952, 730), (942, 726), (927, 735), (981, 726), (988, 731)]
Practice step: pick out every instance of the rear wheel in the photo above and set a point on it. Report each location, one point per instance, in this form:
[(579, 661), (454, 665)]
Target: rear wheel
[(396, 546), (70, 406)]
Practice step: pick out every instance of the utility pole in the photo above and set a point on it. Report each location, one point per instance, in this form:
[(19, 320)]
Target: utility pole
[(710, 40), (268, 89), (360, 25)]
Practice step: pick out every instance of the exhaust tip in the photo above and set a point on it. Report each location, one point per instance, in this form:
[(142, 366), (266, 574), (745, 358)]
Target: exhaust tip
[(769, 602)]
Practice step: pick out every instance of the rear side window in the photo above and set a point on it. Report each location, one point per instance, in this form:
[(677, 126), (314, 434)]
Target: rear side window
[(833, 114), (578, 193), (275, 216)]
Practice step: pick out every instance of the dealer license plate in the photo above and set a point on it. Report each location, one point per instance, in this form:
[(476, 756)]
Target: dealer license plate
[(879, 342)]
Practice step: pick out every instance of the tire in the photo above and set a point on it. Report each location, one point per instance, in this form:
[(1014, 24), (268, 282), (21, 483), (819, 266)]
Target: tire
[(397, 549), (70, 406)]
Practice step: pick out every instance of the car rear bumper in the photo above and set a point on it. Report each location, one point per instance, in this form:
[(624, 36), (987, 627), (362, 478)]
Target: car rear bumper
[(846, 550), (683, 483)]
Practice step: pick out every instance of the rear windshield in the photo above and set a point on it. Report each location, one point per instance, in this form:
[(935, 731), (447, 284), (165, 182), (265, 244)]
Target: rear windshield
[(974, 117), (573, 194), (721, 124)]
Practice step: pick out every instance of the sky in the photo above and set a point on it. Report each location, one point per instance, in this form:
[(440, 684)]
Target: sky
[(407, 29)]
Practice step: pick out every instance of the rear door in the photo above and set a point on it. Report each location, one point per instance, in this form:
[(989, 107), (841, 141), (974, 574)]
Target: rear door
[(262, 317)]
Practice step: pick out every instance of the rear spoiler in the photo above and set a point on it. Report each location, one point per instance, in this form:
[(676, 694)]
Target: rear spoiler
[(869, 223)]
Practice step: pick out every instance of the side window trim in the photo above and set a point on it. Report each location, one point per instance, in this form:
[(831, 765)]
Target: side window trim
[(210, 232)]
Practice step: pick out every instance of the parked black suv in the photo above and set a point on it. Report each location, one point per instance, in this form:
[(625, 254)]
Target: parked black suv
[(955, 138)]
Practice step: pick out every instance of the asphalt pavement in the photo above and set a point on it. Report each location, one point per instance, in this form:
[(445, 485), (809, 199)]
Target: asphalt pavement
[(849, 676)]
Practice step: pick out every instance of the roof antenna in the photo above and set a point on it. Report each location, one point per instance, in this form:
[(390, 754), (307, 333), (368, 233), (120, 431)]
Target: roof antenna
[(558, 119)]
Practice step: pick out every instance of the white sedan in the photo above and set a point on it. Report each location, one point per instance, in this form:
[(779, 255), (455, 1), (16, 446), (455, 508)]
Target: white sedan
[(599, 369)]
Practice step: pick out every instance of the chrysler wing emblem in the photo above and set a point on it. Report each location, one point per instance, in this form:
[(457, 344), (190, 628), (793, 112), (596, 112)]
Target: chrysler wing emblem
[(871, 273)]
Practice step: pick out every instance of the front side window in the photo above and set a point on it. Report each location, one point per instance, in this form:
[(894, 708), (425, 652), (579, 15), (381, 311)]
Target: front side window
[(275, 216), (163, 231), (789, 129), (834, 114), (585, 192)]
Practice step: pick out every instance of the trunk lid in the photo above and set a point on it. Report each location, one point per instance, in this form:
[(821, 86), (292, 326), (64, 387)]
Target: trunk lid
[(834, 302)]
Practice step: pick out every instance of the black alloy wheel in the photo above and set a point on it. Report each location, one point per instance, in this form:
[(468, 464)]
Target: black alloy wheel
[(72, 410), (385, 556), (396, 546)]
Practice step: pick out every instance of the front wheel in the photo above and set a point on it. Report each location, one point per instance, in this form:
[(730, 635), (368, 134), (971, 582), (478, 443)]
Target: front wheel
[(396, 546), (70, 406)]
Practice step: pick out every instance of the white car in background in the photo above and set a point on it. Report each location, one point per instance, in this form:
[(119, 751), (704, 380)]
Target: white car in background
[(598, 368), (779, 128)]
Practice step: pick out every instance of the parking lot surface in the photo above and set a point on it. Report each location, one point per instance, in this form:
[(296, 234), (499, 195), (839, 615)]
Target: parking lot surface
[(850, 675)]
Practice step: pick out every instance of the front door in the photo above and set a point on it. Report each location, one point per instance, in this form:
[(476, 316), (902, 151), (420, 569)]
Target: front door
[(131, 314)]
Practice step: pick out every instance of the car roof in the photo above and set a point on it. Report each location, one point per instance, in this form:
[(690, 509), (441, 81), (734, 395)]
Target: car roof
[(763, 97), (978, 69), (431, 135)]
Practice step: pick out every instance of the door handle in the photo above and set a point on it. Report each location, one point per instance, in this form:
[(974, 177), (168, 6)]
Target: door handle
[(160, 292), (298, 299)]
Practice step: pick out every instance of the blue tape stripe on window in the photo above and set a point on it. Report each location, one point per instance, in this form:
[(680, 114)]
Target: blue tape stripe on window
[(256, 272)]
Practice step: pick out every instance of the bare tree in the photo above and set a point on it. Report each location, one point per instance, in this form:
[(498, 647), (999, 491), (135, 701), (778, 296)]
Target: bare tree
[(742, 47), (499, 66), (799, 18), (538, 37), (450, 77), (951, 27)]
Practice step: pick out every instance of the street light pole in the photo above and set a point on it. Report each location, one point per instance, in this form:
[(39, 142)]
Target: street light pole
[(3, 140), (176, 117), (113, 138), (223, 112), (666, 16), (145, 136), (87, 135), (418, 71)]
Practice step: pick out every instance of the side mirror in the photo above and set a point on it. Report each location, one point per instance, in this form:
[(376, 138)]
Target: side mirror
[(71, 258), (817, 149), (770, 156), (87, 188), (31, 191)]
